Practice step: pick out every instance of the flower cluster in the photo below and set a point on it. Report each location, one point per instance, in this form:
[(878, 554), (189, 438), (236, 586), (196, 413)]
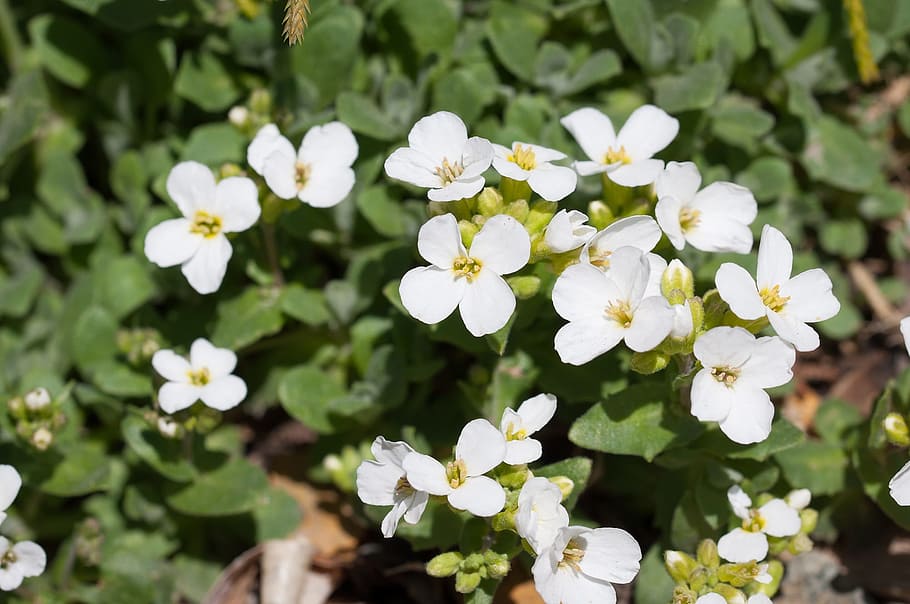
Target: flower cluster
[(38, 416), (611, 287), (736, 569), (17, 560), (488, 477)]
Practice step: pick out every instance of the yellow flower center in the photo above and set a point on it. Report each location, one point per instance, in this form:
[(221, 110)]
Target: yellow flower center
[(621, 312), (771, 298), (725, 375), (8, 558), (199, 377), (205, 224), (572, 555), (600, 259), (617, 156), (754, 523), (513, 434), (688, 218), (301, 174), (449, 172), (456, 473), (467, 267), (523, 157), (403, 487)]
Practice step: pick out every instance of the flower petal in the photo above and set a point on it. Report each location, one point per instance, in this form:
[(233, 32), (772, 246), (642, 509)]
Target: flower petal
[(376, 482), (648, 130), (739, 501), (587, 168), (439, 241), (430, 294), (537, 411), (899, 485), (639, 173), (630, 271), (171, 243), (553, 182), (438, 136), (582, 292), (680, 180), (737, 288), (719, 233), (727, 199), (460, 189), (476, 156), (417, 503), (780, 519), (192, 186), (749, 420), (10, 577), (651, 323), (267, 141), (711, 598), (480, 446), (509, 169), (611, 554), (280, 173), (426, 474), (219, 361), (811, 299), (711, 400), (775, 258), (390, 521), (641, 232), (327, 185), (522, 451), (237, 203), (331, 144), (905, 332), (502, 245), (742, 546), (224, 393), (667, 213), (480, 495), (205, 270), (592, 130), (390, 451), (578, 342), (770, 364), (171, 366), (10, 483), (174, 397), (411, 166), (567, 231), (487, 304), (30, 558), (792, 330), (724, 347)]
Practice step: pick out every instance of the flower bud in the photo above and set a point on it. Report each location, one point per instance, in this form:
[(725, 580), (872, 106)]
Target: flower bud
[(524, 286), (600, 215), (239, 116), (168, 428), (445, 565), (468, 229), (473, 562), (730, 594), (229, 169), (504, 520), (699, 577), (497, 564), (680, 565), (513, 477), (540, 214), (37, 399), (775, 569), (489, 202), (518, 210), (466, 583), (809, 519), (649, 362), (566, 485), (707, 554), (896, 429), (16, 406), (42, 438), (800, 544), (261, 102), (739, 575), (677, 277), (799, 498), (683, 595)]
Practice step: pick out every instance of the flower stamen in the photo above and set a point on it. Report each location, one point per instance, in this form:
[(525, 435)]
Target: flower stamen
[(513, 434), (523, 157), (601, 259), (8, 558), (621, 312), (403, 487), (617, 156), (689, 218), (199, 377), (770, 297), (755, 523), (205, 224), (725, 375), (467, 267), (301, 174), (572, 555), (449, 172), (456, 473)]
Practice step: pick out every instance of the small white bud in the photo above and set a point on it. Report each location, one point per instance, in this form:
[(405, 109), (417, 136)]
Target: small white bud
[(239, 115), (167, 428), (42, 439), (37, 399)]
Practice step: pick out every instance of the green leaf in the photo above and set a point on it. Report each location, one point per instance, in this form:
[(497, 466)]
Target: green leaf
[(768, 178), (834, 419), (328, 50), (204, 81), (430, 25), (784, 435), (124, 284), (875, 469), (246, 318), (277, 514), (215, 144), (695, 88), (818, 466), (597, 69), (514, 32), (365, 117), (306, 305), (384, 213), (164, 455), (634, 24), (653, 585), (236, 487), (67, 49), (117, 379), (17, 293), (83, 469), (739, 121), (837, 155), (484, 593), (576, 468), (94, 337), (306, 393), (27, 108), (637, 421), (466, 91), (845, 238), (688, 525)]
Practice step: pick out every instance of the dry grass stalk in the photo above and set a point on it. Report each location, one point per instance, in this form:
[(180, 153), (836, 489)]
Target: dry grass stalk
[(295, 20)]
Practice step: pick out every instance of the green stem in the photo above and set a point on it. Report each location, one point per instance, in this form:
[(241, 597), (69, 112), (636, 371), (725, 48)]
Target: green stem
[(12, 43), (513, 190), (271, 252)]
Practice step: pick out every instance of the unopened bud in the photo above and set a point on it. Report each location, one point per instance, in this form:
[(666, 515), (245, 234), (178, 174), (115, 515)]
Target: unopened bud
[(649, 362), (808, 519), (600, 215), (497, 564), (707, 554), (566, 485), (444, 565), (539, 215), (473, 562), (489, 202), (896, 429), (467, 229), (699, 577), (739, 575), (230, 169), (680, 565), (799, 498), (683, 595), (466, 583), (800, 544), (524, 286), (518, 210), (513, 477), (42, 439), (332, 463), (37, 399), (677, 277), (730, 594), (261, 102), (168, 428), (16, 406), (239, 116)]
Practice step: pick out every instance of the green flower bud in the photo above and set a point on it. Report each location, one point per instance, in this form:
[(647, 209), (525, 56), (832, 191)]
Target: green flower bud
[(16, 407), (680, 565), (566, 485), (809, 519), (600, 216), (513, 477), (539, 215), (230, 169), (513, 190), (518, 210), (468, 229), (730, 593), (739, 575), (504, 520), (489, 202), (473, 562), (800, 544), (497, 564), (466, 583), (677, 278), (524, 286), (896, 429), (445, 565), (707, 554), (699, 578), (683, 595), (261, 102), (37, 399), (698, 316), (649, 362)]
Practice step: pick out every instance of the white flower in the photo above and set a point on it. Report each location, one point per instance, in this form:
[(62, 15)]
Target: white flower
[(737, 367), (905, 331), (540, 513), (582, 563), (468, 279), (899, 486), (626, 157), (37, 399), (318, 174), (715, 219), (206, 376), (480, 448), (197, 241), (10, 483), (750, 543), (531, 163), (567, 231), (517, 426), (383, 482), (789, 303), (606, 308), (442, 158), (25, 559), (682, 320)]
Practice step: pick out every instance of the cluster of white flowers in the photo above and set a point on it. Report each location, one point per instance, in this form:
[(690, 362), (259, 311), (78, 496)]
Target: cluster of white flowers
[(776, 518), (611, 286), (20, 560), (574, 563)]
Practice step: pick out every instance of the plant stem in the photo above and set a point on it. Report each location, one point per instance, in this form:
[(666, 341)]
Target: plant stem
[(271, 252), (12, 44)]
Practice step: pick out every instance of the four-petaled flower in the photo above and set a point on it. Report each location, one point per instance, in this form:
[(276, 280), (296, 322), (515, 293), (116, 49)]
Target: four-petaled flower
[(442, 158), (789, 303), (606, 308), (318, 174), (24, 559), (750, 542), (715, 219), (581, 565), (384, 482), (480, 448), (531, 163), (468, 279), (737, 367), (517, 427), (10, 483), (198, 241), (567, 231), (540, 513), (206, 376), (625, 157)]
